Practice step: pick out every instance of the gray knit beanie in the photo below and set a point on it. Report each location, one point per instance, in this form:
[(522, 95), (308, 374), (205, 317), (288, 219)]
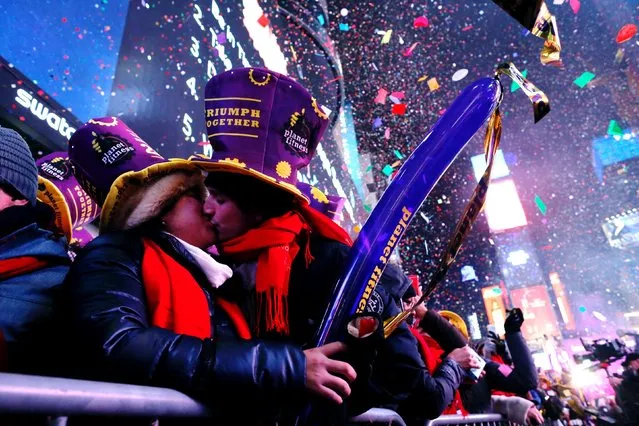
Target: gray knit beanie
[(17, 166)]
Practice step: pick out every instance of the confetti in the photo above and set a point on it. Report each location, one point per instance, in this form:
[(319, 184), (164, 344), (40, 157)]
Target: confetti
[(514, 86), (420, 22), (460, 74), (614, 129), (387, 170), (369, 168), (387, 133), (422, 78), (343, 27), (409, 51), (433, 84), (575, 5), (377, 123), (381, 96), (321, 20), (626, 33), (398, 154), (263, 20), (398, 109), (387, 36), (541, 205), (585, 78)]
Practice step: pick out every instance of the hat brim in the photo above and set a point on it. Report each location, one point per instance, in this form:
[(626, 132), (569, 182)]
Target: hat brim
[(50, 195), (129, 191), (237, 167)]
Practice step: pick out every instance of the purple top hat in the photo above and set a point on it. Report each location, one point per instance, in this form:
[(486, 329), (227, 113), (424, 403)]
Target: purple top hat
[(263, 124), (116, 167), (58, 187), (329, 205)]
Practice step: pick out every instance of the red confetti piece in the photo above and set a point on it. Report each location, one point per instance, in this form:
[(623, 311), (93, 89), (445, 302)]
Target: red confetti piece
[(263, 21), (626, 33), (64, 20), (398, 109), (467, 28), (40, 92), (420, 22), (22, 118)]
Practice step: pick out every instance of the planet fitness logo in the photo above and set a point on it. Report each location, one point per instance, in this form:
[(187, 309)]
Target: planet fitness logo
[(111, 149), (57, 169), (297, 135)]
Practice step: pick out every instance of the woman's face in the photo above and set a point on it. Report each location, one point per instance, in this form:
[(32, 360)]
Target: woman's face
[(227, 219), (188, 221)]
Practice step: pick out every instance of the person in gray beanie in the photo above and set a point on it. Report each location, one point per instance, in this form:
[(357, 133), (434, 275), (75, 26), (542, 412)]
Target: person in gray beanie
[(33, 262)]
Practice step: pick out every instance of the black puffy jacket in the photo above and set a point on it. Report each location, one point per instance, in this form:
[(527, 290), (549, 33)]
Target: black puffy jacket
[(399, 379), (110, 337)]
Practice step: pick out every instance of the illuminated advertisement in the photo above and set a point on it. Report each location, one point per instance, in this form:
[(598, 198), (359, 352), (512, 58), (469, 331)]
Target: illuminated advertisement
[(31, 110), (622, 230), (539, 316), (495, 307), (500, 168), (503, 208), (609, 150), (562, 301), (517, 258)]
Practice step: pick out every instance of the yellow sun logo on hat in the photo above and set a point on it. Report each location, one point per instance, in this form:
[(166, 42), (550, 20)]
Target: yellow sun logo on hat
[(259, 83), (318, 110), (283, 169), (319, 195), (103, 123)]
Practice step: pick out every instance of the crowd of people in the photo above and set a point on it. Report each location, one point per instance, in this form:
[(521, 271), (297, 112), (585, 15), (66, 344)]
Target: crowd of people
[(211, 276)]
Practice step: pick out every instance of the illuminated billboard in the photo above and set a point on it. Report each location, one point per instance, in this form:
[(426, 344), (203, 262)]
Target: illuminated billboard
[(518, 260), (539, 316), (503, 208), (500, 168), (622, 230), (495, 307)]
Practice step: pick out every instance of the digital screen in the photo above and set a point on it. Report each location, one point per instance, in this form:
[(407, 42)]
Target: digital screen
[(503, 209), (518, 260), (500, 168), (171, 49), (622, 231), (495, 307), (539, 316), (612, 149)]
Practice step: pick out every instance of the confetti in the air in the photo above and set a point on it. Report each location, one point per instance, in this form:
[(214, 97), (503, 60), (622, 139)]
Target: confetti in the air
[(585, 78)]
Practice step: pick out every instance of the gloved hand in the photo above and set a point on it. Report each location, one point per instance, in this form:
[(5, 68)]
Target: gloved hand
[(514, 320)]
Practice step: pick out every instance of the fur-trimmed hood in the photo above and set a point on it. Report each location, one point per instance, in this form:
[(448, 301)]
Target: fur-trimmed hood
[(152, 199)]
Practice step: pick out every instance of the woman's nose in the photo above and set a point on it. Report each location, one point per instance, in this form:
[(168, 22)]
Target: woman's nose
[(209, 206)]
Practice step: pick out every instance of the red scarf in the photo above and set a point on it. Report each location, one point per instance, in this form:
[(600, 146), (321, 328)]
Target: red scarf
[(176, 301), (275, 244), (20, 265), (432, 352)]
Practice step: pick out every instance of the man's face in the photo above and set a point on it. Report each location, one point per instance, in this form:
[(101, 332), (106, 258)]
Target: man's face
[(7, 200), (228, 220)]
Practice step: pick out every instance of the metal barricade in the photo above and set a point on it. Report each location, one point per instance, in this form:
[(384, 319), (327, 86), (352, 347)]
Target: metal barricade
[(54, 396), (471, 420)]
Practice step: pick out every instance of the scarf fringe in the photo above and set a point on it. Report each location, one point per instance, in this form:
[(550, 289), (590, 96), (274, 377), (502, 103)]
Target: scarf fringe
[(272, 313)]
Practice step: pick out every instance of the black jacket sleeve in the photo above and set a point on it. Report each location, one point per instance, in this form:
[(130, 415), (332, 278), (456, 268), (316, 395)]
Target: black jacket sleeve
[(523, 376), (438, 327), (108, 318), (400, 378)]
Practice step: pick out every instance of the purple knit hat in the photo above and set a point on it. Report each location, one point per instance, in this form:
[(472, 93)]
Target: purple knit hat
[(262, 124), (329, 205), (122, 173), (58, 187)]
